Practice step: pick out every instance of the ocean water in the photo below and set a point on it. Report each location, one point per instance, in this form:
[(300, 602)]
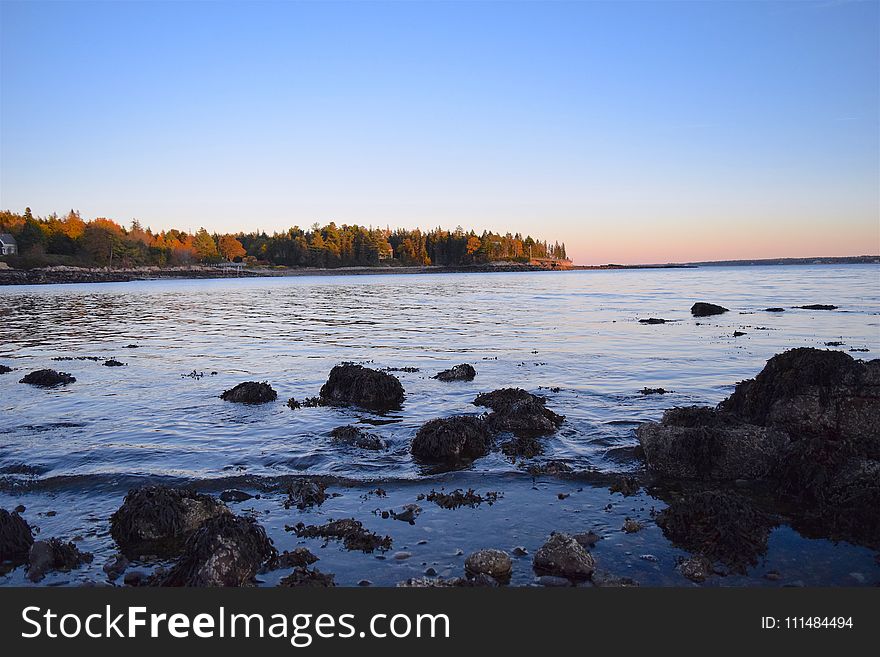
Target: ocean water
[(572, 336)]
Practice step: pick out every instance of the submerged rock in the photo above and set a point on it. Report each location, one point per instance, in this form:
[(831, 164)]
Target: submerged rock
[(441, 583), (563, 556), (158, 520), (115, 566), (309, 577), (774, 310), (4, 369), (297, 558), (362, 386), (357, 437), (350, 531), (250, 392), (459, 498), (112, 362), (527, 447), (235, 495), (54, 554), (451, 440), (494, 563), (47, 378), (653, 320), (654, 391), (818, 306), (305, 493), (702, 309), (16, 537), (226, 550), (463, 372), (696, 569), (518, 412), (703, 443)]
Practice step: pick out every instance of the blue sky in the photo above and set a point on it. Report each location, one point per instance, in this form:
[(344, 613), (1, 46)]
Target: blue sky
[(633, 131)]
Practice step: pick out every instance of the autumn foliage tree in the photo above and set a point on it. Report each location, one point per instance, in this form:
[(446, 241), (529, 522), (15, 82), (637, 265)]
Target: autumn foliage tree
[(71, 240), (230, 248)]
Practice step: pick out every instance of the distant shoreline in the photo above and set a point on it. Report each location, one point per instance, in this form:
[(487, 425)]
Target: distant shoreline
[(60, 275)]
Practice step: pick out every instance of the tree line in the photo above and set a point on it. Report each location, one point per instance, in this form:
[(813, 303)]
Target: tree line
[(101, 242)]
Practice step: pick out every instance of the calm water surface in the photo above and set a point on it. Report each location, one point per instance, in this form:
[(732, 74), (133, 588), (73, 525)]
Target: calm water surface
[(81, 446)]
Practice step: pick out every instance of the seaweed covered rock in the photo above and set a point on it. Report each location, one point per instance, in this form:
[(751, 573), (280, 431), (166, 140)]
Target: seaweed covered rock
[(454, 582), (16, 537), (703, 309), (305, 493), (813, 392), (451, 439), (494, 563), (518, 412), (112, 362), (308, 577), (351, 532), (563, 556), (718, 525), (704, 443), (357, 437), (362, 386), (809, 423), (225, 550), (250, 392), (52, 555), (5, 369), (157, 520), (463, 372), (47, 378)]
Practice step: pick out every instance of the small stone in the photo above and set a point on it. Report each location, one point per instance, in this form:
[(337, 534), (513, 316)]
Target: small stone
[(696, 569), (631, 526), (495, 563)]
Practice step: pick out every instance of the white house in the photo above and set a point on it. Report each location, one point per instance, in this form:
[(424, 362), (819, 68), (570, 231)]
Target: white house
[(7, 244)]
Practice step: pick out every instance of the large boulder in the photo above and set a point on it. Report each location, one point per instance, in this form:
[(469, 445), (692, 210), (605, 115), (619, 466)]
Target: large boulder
[(809, 392), (16, 537), (703, 309), (250, 392), (362, 386), (809, 423), (226, 550), (563, 556), (47, 378), (518, 412), (704, 443), (157, 520), (451, 439)]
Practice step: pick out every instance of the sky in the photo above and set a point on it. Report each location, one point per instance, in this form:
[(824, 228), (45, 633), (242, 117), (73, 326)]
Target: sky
[(635, 132)]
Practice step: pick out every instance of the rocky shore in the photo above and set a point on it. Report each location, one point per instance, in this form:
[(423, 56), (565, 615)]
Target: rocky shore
[(798, 444), (62, 274)]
